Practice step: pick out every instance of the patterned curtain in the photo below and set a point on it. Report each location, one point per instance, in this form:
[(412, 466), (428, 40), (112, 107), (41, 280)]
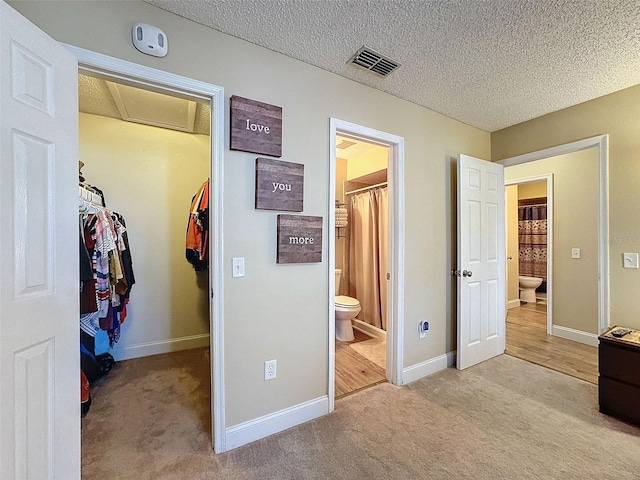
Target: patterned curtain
[(532, 242)]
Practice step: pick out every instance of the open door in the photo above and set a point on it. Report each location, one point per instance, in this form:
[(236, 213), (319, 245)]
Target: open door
[(39, 343), (481, 261)]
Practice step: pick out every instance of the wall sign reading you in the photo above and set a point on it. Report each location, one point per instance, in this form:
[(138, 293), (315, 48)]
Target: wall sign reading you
[(256, 127), (299, 239), (279, 185)]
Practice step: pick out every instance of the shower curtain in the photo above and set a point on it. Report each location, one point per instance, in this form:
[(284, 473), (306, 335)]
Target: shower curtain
[(368, 254), (532, 242)]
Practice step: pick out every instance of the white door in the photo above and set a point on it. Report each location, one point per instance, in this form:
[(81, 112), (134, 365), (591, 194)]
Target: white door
[(481, 261), (39, 336)]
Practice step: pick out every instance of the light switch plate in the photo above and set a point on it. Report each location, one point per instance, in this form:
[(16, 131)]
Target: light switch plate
[(575, 253), (630, 260), (238, 267)]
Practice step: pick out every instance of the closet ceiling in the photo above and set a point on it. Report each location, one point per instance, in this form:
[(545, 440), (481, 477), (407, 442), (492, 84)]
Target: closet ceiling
[(490, 63), (99, 97)]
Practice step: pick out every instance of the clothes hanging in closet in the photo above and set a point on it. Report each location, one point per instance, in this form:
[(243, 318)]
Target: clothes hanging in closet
[(105, 293), (197, 243)]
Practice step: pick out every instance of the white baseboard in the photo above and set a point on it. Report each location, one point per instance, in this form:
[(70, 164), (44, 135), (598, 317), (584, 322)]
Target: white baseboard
[(513, 303), (368, 329), (429, 367), (258, 428), (575, 335), (163, 346)]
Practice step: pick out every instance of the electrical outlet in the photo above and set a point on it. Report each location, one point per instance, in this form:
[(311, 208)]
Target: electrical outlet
[(270, 370)]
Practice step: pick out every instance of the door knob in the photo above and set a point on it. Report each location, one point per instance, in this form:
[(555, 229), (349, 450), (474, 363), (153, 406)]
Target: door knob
[(467, 273)]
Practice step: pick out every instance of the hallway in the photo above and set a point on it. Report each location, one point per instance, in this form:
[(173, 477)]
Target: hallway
[(527, 339)]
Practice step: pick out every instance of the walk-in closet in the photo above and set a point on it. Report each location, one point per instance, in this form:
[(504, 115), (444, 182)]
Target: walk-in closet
[(148, 153)]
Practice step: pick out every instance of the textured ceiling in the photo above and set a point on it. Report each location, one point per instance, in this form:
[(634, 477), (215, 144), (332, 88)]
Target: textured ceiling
[(95, 98), (490, 63)]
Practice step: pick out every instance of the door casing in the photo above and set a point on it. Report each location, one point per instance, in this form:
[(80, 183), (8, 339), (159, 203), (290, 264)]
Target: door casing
[(153, 79), (601, 143), (395, 314)]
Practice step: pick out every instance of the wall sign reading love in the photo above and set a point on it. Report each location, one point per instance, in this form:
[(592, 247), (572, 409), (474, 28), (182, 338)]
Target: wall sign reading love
[(279, 185), (256, 127), (299, 239)]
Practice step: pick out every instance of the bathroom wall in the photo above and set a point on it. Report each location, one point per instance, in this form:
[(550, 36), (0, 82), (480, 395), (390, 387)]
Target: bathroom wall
[(511, 207), (575, 224), (532, 190), (341, 178), (375, 159), (149, 175)]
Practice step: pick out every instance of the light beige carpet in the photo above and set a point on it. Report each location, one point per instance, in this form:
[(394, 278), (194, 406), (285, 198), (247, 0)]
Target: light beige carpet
[(502, 419)]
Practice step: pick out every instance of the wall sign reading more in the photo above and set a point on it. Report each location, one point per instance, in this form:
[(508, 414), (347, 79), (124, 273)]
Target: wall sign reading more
[(299, 239), (256, 127), (279, 185)]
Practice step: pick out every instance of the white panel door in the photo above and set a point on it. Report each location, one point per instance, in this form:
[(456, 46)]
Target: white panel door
[(39, 336), (481, 261)]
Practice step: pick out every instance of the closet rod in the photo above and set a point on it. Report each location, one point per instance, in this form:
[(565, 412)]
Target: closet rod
[(363, 189)]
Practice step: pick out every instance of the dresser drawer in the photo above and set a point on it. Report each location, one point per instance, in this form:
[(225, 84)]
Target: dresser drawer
[(619, 361), (619, 400)]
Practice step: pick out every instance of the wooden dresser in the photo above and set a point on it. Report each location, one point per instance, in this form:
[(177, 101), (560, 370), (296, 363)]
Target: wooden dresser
[(619, 375)]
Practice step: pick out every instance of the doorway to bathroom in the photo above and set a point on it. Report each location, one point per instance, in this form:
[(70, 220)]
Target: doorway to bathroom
[(361, 263), (561, 335), (366, 258), (529, 240)]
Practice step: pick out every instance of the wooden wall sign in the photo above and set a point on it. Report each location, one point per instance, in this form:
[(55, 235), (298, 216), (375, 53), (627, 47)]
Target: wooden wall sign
[(299, 239), (279, 185), (256, 127)]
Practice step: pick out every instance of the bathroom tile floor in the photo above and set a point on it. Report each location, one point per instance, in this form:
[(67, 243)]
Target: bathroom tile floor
[(354, 371)]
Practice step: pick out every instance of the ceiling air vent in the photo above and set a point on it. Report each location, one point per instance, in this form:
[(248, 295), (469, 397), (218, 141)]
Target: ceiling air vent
[(371, 60)]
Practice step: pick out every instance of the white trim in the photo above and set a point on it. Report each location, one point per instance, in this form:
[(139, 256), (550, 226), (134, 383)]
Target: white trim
[(513, 303), (428, 367), (163, 346), (368, 329), (548, 178), (133, 73), (275, 422), (575, 335), (395, 327), (601, 142)]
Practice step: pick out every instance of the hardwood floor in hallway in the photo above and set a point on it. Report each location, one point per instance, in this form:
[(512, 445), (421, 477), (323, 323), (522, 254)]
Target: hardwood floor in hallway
[(527, 339)]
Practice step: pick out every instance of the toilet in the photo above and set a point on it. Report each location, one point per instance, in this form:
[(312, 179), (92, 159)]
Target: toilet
[(346, 309), (528, 287)]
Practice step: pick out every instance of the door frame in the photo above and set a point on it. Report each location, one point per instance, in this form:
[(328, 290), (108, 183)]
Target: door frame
[(395, 182), (158, 80), (601, 143), (548, 178)]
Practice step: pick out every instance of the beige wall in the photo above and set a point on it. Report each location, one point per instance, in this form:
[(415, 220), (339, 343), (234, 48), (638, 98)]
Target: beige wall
[(618, 115), (341, 177), (374, 159), (149, 175), (281, 311), (511, 209), (575, 224), (532, 190)]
